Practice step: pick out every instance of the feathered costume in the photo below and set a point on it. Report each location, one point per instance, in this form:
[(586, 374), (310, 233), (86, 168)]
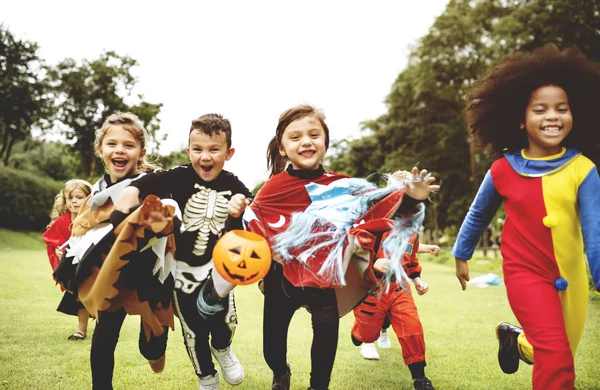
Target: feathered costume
[(328, 229), (552, 208), (129, 266)]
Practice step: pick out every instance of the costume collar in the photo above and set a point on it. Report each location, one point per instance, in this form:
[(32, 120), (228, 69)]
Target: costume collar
[(537, 167), (304, 174)]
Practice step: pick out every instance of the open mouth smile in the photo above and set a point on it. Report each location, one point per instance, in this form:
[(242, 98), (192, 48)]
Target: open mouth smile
[(119, 163), (206, 168)]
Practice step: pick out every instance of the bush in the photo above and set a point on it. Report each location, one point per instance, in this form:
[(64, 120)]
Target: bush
[(25, 200)]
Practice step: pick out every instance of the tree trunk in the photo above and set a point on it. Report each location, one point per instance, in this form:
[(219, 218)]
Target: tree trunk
[(8, 149), (4, 143)]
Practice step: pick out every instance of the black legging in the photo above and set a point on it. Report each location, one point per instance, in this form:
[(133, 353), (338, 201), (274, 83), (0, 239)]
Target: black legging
[(104, 342), (281, 301), (196, 331)]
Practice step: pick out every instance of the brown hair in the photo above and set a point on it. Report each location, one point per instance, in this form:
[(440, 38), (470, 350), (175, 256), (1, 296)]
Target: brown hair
[(132, 124), (275, 161), (212, 125), (60, 200)]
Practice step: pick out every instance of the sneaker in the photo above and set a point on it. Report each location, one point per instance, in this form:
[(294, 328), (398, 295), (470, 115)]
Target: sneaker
[(369, 352), (209, 382), (158, 365), (384, 340), (508, 348), (232, 370), (423, 384), (282, 382)]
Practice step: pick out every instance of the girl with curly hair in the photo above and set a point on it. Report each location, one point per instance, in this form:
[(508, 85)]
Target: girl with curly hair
[(533, 112)]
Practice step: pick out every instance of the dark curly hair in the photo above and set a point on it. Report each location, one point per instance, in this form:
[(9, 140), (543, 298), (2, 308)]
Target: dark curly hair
[(496, 104)]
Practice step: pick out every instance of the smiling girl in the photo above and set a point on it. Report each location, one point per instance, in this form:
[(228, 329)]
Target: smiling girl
[(297, 278), (536, 114), (65, 209), (121, 145)]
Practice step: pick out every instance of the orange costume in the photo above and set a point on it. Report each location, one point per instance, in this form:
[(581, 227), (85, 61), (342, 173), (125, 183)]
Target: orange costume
[(399, 306)]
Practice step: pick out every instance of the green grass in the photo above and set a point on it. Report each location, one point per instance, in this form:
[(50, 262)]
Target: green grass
[(459, 333)]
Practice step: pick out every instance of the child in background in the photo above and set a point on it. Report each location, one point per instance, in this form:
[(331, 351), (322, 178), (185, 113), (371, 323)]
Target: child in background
[(66, 206), (121, 145), (202, 190), (302, 138), (536, 112), (396, 305)]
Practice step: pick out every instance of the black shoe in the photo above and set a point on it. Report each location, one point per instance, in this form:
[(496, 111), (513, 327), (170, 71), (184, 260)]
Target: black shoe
[(423, 383), (508, 349), (282, 382)]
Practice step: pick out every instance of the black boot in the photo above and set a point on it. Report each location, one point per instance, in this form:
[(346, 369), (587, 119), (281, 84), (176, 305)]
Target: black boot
[(282, 382), (508, 349), (423, 383)]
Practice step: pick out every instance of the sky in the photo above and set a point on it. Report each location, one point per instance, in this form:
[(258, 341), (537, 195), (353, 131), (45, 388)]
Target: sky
[(247, 60)]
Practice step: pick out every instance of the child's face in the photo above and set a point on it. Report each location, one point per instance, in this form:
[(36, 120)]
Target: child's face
[(208, 154), (548, 121), (75, 200), (120, 151), (303, 143)]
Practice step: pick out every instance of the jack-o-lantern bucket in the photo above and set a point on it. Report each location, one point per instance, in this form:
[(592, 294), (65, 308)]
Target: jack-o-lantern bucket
[(242, 257)]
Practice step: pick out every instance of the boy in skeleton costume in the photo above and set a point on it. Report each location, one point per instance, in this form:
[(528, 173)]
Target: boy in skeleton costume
[(202, 189)]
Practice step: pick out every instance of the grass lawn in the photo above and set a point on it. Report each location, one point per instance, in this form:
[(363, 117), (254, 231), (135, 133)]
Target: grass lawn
[(459, 332)]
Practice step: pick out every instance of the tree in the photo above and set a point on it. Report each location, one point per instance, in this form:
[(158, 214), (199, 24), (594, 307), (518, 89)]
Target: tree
[(23, 92), (87, 93), (424, 119)]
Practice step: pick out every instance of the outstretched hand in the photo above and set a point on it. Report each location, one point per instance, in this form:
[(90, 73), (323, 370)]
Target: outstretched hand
[(420, 184)]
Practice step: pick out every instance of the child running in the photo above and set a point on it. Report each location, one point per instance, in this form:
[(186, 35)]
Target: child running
[(202, 189), (302, 273), (91, 267), (396, 305), (66, 206), (535, 112)]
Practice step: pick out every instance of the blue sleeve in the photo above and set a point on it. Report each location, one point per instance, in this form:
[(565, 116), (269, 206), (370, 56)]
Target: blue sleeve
[(589, 214), (480, 215)]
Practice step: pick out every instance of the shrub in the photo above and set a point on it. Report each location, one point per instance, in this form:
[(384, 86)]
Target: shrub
[(25, 200)]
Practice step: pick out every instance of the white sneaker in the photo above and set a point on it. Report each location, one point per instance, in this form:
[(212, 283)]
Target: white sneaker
[(384, 340), (232, 370), (368, 351), (209, 382)]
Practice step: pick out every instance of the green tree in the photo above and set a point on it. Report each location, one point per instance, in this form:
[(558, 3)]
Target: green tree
[(424, 119), (23, 92), (89, 92), (45, 158)]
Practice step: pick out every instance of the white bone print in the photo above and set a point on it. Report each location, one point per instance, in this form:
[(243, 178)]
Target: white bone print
[(206, 212)]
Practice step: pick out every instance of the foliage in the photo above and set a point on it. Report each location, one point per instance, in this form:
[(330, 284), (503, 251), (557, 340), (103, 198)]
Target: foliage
[(87, 93), (43, 158), (23, 91), (424, 119), (25, 200), (173, 159)]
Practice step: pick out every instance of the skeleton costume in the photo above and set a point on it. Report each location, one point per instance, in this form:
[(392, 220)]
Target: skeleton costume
[(205, 218)]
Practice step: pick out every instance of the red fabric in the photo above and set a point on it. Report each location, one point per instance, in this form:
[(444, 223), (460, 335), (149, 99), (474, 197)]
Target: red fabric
[(397, 304), (280, 197), (57, 234), (284, 195), (528, 264)]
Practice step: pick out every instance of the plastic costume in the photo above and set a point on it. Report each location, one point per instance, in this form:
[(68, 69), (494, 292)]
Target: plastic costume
[(552, 209), (397, 304)]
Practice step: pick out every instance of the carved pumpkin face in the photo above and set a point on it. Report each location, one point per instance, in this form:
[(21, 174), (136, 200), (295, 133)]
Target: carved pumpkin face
[(242, 257)]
